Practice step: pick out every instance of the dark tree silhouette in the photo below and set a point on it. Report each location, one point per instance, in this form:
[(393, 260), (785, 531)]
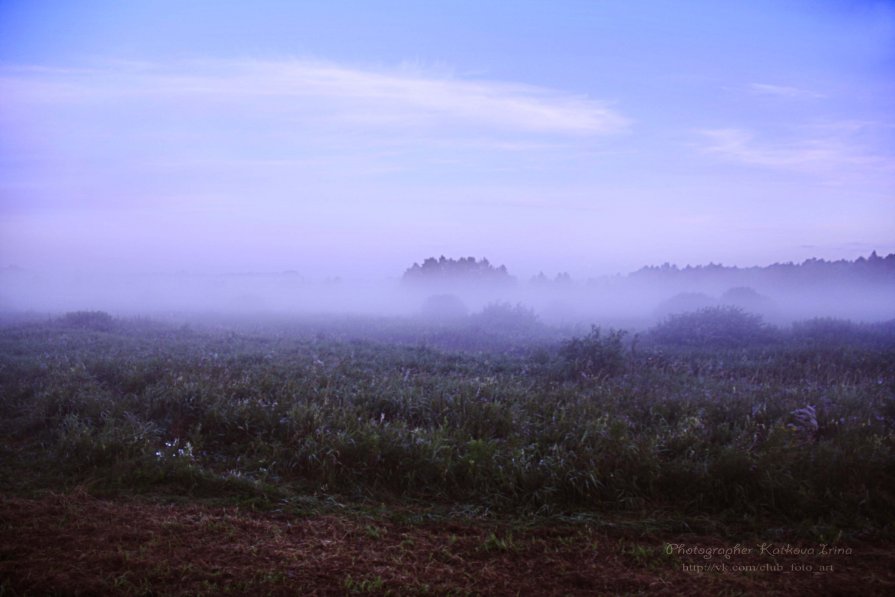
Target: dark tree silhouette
[(873, 269), (463, 269)]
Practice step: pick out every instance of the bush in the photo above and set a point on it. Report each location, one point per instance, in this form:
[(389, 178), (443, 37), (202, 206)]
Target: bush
[(831, 332), (713, 327), (593, 355), (507, 318)]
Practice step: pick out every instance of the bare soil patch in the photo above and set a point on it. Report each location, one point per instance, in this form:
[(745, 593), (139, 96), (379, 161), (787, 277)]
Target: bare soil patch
[(75, 544)]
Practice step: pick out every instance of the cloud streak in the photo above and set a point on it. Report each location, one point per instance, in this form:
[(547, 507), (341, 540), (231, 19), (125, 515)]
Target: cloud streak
[(294, 89), (783, 91), (817, 155)]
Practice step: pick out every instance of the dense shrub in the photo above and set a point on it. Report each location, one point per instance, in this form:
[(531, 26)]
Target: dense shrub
[(712, 327), (593, 355), (506, 318), (827, 331)]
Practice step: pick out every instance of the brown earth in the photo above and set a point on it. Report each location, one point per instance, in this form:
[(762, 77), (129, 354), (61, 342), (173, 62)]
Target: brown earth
[(74, 544)]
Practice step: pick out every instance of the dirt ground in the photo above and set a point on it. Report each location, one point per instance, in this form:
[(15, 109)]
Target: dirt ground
[(74, 544)]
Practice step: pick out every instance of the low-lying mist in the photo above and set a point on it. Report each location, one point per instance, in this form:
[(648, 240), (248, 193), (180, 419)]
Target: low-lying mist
[(453, 293)]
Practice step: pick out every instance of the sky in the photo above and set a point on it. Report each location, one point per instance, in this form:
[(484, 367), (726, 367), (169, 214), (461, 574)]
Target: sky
[(349, 138)]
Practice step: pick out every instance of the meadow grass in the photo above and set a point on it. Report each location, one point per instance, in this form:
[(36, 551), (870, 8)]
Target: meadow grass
[(793, 428)]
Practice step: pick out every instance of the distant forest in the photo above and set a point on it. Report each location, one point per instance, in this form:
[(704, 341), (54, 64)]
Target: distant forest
[(465, 269), (871, 269)]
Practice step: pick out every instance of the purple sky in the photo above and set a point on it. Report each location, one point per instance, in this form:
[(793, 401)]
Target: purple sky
[(354, 138)]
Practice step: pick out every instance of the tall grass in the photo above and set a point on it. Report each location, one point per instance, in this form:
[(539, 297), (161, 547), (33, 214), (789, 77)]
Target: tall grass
[(581, 425)]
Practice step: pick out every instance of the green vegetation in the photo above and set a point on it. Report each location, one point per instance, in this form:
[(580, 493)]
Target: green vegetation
[(713, 327), (791, 428), (593, 356)]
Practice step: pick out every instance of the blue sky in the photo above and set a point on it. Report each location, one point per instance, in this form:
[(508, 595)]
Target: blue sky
[(353, 138)]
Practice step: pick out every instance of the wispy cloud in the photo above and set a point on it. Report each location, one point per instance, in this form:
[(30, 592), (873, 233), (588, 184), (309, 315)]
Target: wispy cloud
[(831, 156), (122, 135), (293, 89), (783, 91)]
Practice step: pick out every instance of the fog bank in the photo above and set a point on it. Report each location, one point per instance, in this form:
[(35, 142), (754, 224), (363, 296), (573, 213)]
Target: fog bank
[(862, 290)]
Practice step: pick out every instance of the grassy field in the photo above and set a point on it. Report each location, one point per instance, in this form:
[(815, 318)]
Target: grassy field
[(516, 440)]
